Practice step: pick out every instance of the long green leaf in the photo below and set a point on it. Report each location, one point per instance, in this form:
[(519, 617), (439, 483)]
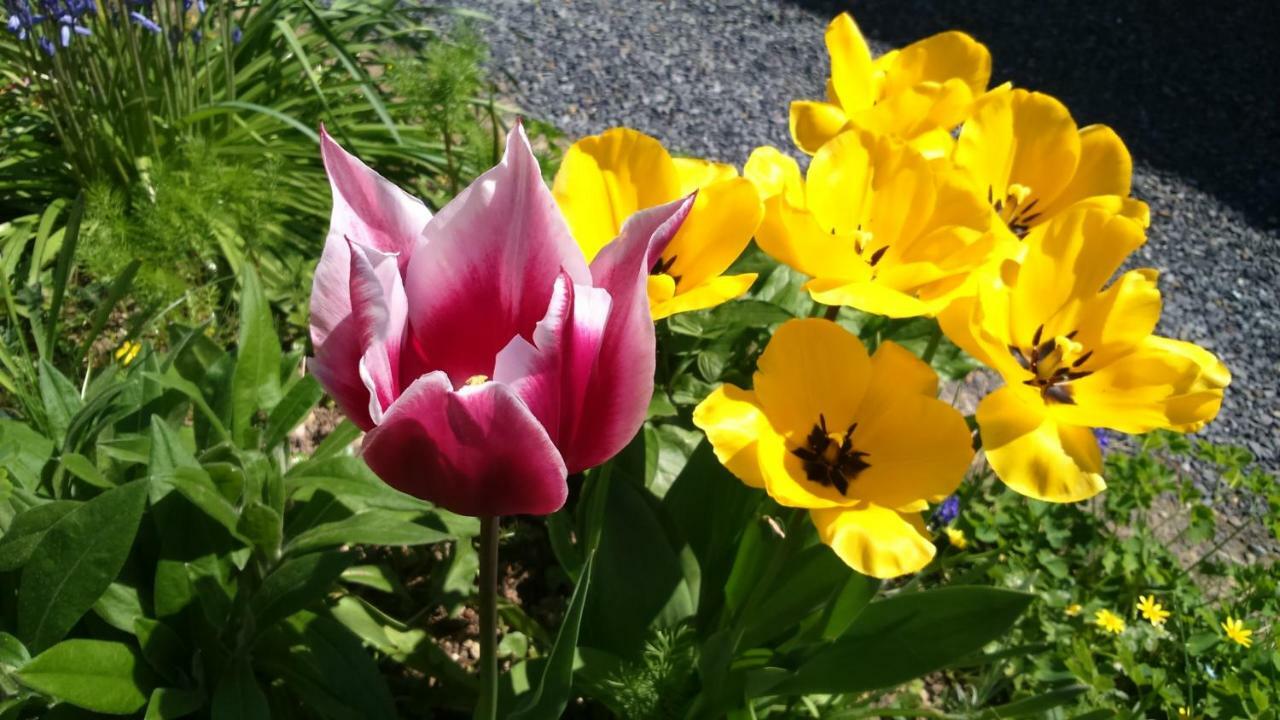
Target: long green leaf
[(255, 383), (98, 675), (555, 687)]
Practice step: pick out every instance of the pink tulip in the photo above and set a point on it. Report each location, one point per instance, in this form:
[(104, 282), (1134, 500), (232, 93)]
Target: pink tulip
[(483, 356)]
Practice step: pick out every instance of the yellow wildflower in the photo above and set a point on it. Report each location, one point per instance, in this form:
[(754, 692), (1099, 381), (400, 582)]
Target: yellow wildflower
[(917, 93), (838, 432), (1152, 610), (1237, 632), (1076, 355), (605, 179), (1184, 713), (1109, 621), (957, 538), (126, 353), (1073, 609), (875, 224)]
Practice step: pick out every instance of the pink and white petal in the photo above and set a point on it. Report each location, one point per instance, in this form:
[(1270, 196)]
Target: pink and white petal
[(378, 307), (368, 209), (618, 385), (474, 451), (486, 270)]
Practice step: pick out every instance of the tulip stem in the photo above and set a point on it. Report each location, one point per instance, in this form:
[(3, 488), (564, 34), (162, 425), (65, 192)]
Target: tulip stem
[(487, 706)]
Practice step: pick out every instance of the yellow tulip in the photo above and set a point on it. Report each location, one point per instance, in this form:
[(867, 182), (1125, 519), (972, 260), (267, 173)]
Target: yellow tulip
[(1023, 152), (876, 225), (842, 434), (917, 93), (604, 179), (1075, 355)]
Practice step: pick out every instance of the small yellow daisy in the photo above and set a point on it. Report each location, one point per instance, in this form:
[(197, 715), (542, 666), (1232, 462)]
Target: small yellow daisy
[(1238, 633), (1109, 621), (128, 351), (1152, 610), (1184, 713), (1073, 609), (957, 538)]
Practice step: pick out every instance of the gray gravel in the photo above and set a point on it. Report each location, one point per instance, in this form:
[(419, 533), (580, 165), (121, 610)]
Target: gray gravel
[(1189, 90)]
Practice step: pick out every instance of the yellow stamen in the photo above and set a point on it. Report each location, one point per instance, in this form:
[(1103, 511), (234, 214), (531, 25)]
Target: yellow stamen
[(477, 380)]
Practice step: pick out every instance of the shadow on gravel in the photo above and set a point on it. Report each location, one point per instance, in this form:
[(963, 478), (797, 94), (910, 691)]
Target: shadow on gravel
[(1193, 87)]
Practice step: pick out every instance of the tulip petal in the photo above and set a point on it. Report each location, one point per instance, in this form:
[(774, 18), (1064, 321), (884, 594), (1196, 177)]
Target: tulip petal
[(733, 423), (379, 309), (1163, 383), (488, 266), (696, 173), (852, 79), (876, 541), (474, 451), (813, 123), (605, 179), (811, 368), (620, 385), (792, 236), (709, 294), (775, 173), (724, 217), (1105, 168), (1035, 455), (937, 59)]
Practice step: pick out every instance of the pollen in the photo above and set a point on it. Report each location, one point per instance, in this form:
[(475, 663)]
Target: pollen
[(829, 461), (1053, 364), (477, 380)]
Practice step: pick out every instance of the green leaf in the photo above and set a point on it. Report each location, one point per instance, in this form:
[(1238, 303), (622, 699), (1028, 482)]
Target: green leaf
[(62, 270), (60, 397), (120, 606), (76, 561), (162, 647), (12, 652), (296, 584), (1036, 706), (170, 704), (907, 636), (555, 687), (263, 527), (292, 409), (370, 527), (800, 589), (23, 452), (83, 468), (849, 602), (98, 675), (196, 486), (27, 529), (238, 696), (327, 666), (255, 383)]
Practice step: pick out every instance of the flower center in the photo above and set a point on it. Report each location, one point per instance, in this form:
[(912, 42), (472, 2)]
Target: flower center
[(828, 461), (1014, 209), (477, 380), (1053, 364), (663, 267)]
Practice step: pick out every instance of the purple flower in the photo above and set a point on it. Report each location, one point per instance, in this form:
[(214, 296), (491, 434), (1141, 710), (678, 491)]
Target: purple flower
[(197, 36), (236, 34), (145, 22), (947, 512), (1103, 437), (47, 46)]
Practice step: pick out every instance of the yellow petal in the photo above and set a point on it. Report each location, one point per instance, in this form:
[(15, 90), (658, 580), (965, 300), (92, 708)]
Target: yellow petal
[(604, 179), (1033, 454), (876, 541), (1114, 322), (839, 181), (792, 236), (811, 368), (937, 59), (868, 296), (713, 292), (1105, 168), (724, 217), (733, 423), (814, 123), (1067, 262), (1163, 383), (851, 73), (695, 173), (775, 173), (899, 417)]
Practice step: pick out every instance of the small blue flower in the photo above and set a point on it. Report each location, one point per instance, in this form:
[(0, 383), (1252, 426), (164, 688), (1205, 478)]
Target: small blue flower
[(47, 46), (236, 34), (1103, 437), (947, 512), (146, 22), (197, 36)]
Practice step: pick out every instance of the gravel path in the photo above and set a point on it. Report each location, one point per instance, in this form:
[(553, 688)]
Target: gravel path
[(1191, 91)]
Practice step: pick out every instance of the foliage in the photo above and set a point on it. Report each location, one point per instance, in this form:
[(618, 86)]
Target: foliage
[(151, 563), (1150, 534)]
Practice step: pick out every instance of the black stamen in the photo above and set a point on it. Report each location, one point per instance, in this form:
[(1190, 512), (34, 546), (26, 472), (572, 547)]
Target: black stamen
[(875, 256), (834, 472)]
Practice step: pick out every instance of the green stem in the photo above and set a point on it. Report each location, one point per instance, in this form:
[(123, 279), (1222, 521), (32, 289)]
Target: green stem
[(934, 339), (487, 707), (832, 312)]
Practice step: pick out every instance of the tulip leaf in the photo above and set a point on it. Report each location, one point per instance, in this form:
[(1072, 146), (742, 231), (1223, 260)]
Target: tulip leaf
[(255, 382), (555, 686), (170, 704), (98, 675), (906, 636), (76, 561), (292, 409)]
